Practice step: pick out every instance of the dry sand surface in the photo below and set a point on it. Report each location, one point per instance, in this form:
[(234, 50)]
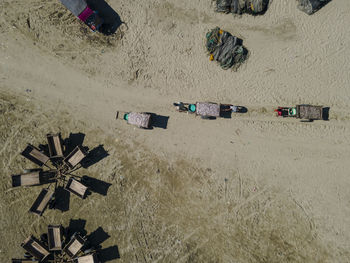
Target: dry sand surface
[(254, 188)]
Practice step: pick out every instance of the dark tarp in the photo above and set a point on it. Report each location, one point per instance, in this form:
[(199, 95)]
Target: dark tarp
[(311, 6), (225, 48), (242, 6)]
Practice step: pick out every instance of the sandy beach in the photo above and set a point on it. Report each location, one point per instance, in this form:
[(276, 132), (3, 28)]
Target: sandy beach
[(253, 188)]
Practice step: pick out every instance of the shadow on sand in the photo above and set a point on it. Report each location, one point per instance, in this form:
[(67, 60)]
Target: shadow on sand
[(95, 185), (325, 113), (94, 156), (159, 121), (94, 240), (112, 20)]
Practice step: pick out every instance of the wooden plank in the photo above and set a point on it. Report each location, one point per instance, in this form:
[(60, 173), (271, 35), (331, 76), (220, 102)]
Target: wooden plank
[(57, 237), (35, 248), (58, 145), (39, 248), (75, 247), (15, 260), (39, 155), (44, 202), (29, 179), (78, 187), (41, 202), (55, 145), (75, 157), (87, 259)]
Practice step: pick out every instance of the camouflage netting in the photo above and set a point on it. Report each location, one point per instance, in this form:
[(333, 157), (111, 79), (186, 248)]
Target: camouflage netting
[(311, 6), (242, 6), (225, 48)]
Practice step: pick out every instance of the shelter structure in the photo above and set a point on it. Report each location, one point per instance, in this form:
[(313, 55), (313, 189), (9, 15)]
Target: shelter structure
[(56, 246), (59, 165)]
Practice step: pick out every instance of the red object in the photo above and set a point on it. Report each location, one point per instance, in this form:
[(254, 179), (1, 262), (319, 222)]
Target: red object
[(279, 111)]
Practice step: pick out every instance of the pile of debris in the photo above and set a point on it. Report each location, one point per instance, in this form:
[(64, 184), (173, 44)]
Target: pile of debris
[(311, 6), (253, 7), (225, 48)]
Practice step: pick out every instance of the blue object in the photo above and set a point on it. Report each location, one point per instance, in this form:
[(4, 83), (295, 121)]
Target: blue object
[(192, 108)]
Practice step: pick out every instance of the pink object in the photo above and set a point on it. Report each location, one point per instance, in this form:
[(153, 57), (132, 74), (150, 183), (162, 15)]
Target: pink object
[(85, 14)]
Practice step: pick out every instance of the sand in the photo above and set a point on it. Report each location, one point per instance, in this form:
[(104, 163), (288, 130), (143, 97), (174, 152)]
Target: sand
[(254, 188)]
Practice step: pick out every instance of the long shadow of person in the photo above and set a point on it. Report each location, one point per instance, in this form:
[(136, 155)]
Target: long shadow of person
[(95, 240), (74, 140), (97, 237), (95, 185), (112, 20), (61, 199), (94, 156), (76, 225), (109, 253)]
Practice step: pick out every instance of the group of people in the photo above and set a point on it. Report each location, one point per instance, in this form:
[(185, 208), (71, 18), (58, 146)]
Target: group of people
[(191, 108)]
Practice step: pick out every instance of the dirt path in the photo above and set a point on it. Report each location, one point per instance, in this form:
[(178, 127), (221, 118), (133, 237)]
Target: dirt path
[(156, 209)]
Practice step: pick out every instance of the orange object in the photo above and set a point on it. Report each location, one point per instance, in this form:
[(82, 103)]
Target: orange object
[(251, 6), (211, 57), (221, 31)]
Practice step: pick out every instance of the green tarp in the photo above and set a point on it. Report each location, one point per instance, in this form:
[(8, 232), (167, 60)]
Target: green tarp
[(225, 48), (242, 6)]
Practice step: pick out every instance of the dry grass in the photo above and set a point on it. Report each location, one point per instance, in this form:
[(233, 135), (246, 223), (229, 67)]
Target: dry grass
[(155, 211)]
